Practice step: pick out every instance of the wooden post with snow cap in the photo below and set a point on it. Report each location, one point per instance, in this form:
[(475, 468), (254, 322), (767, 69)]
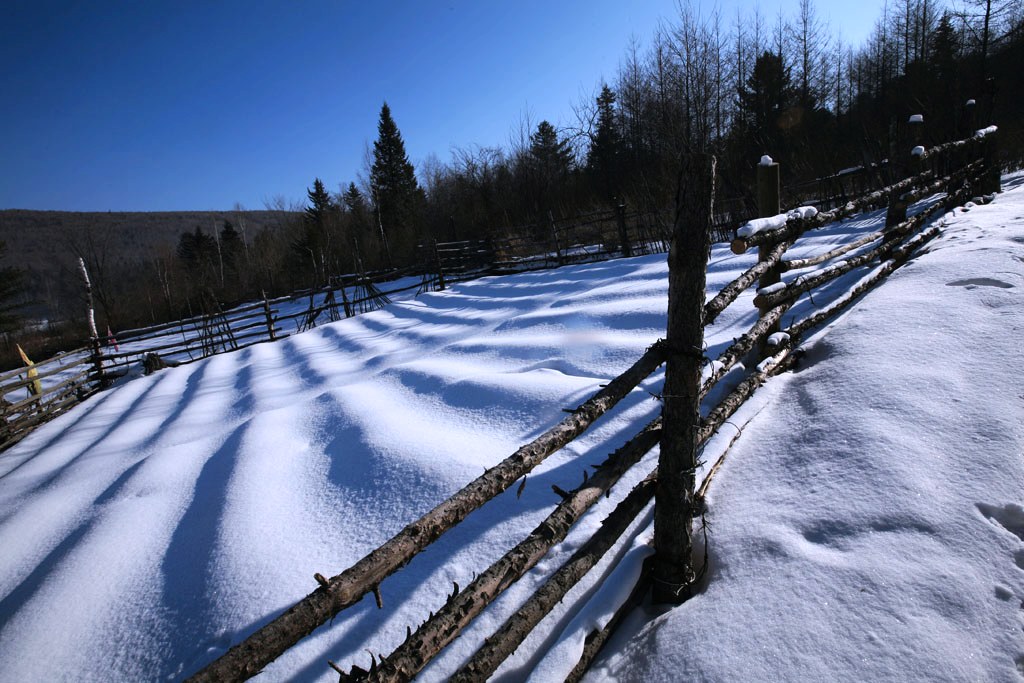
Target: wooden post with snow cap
[(897, 211), (969, 122), (675, 502), (768, 204), (990, 175)]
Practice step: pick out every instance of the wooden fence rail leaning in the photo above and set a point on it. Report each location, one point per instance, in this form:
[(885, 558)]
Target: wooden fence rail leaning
[(949, 175), (946, 175)]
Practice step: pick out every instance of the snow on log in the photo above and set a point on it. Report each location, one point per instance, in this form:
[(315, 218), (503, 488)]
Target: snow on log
[(797, 264), (730, 292), (757, 225), (743, 345)]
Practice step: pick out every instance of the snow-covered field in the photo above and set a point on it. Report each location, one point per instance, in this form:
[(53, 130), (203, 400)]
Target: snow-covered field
[(867, 525)]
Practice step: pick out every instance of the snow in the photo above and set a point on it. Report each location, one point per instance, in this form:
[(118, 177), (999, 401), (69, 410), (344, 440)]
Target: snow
[(803, 212), (986, 131), (751, 228), (866, 525), (917, 151), (772, 289), (766, 161), (916, 118)]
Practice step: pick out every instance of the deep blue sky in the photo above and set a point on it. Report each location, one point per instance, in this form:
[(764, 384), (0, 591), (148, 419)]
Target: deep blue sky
[(153, 105)]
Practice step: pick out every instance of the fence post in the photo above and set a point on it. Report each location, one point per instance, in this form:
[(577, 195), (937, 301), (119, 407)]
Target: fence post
[(270, 317), (768, 204), (620, 218), (910, 166), (554, 238), (675, 504), (970, 117), (440, 269), (990, 180)]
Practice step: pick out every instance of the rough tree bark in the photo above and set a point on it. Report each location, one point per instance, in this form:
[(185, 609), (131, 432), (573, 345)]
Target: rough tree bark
[(674, 497)]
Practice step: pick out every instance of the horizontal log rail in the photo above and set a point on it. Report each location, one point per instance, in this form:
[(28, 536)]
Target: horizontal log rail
[(463, 606), (814, 280), (15, 372), (24, 381)]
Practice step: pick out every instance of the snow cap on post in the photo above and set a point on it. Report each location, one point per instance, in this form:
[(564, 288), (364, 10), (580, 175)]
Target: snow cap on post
[(917, 151), (916, 118), (766, 161), (970, 103)]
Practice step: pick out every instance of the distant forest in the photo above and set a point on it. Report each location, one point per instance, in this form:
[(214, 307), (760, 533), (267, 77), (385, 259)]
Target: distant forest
[(739, 86)]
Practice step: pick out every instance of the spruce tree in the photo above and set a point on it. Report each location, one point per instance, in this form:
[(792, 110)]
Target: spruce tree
[(604, 157), (312, 248), (397, 197), (353, 199), (320, 204), (552, 156), (766, 97), (550, 166)]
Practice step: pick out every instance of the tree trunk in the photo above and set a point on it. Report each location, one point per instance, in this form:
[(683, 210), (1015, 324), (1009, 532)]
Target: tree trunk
[(688, 258)]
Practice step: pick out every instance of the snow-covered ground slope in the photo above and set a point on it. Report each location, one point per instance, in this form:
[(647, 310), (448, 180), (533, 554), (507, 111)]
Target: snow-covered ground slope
[(159, 522), (868, 524)]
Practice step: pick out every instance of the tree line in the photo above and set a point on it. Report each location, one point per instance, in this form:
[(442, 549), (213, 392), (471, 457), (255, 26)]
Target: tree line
[(740, 86)]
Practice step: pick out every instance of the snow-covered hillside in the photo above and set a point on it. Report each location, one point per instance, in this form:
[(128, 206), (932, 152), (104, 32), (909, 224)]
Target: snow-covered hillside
[(868, 522)]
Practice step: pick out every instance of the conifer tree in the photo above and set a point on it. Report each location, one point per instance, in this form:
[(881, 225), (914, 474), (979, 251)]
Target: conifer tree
[(603, 159), (551, 156), (313, 246), (320, 204), (397, 197), (550, 165), (763, 101), (353, 199)]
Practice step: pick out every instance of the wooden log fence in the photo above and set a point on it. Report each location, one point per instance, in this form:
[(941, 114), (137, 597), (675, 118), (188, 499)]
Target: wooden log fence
[(961, 169)]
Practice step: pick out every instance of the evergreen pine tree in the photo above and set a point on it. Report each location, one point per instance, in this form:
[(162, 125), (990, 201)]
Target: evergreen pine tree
[(550, 165), (397, 197), (353, 199), (603, 159), (312, 248), (320, 204), (551, 156), (763, 103)]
